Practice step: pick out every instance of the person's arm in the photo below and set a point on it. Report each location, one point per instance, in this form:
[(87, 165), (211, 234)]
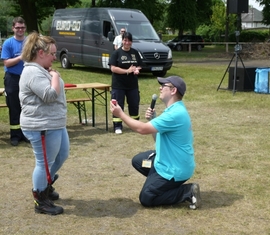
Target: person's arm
[(119, 70), (149, 115), (7, 55), (135, 125), (45, 87), (55, 82), (116, 69), (12, 61), (139, 63)]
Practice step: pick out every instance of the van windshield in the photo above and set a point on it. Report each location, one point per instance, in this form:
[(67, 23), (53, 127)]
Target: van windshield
[(139, 30)]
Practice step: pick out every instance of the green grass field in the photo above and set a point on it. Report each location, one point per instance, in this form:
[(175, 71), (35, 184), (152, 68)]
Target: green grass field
[(99, 189)]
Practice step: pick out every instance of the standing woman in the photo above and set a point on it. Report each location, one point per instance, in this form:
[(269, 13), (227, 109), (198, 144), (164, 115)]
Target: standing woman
[(125, 65), (44, 110)]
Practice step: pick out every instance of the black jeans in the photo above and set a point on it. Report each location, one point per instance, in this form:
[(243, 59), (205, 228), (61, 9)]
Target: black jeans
[(157, 190)]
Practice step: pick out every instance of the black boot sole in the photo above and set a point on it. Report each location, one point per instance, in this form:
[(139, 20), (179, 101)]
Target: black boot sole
[(59, 210)]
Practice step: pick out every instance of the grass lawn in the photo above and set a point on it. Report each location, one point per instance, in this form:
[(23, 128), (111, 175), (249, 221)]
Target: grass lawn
[(99, 189)]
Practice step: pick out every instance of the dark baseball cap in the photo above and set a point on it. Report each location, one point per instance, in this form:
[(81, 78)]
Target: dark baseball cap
[(178, 82)]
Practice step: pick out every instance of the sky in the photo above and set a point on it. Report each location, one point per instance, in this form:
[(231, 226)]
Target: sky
[(254, 4)]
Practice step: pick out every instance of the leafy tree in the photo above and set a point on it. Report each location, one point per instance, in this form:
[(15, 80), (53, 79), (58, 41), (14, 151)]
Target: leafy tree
[(218, 20), (204, 11), (6, 10), (262, 2), (182, 15), (216, 29), (205, 31), (110, 3), (265, 11), (34, 12), (153, 13), (188, 15)]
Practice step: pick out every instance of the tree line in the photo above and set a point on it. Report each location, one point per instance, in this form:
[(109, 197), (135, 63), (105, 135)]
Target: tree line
[(180, 16)]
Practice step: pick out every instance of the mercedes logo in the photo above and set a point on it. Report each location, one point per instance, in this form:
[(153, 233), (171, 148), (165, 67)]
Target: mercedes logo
[(157, 56)]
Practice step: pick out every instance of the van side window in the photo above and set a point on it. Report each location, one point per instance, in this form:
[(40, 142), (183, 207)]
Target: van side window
[(107, 27), (92, 26)]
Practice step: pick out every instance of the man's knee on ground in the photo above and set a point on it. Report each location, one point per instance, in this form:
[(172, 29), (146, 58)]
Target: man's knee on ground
[(145, 200)]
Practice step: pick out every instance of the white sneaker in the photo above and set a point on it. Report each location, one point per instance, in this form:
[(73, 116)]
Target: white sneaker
[(118, 131), (196, 197)]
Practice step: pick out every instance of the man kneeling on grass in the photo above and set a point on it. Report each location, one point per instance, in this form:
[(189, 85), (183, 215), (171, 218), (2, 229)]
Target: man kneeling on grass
[(172, 162)]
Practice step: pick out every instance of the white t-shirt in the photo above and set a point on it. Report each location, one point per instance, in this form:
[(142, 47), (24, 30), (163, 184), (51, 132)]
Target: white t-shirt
[(118, 41)]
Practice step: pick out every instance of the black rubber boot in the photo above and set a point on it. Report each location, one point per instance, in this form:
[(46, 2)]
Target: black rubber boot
[(53, 195), (44, 205)]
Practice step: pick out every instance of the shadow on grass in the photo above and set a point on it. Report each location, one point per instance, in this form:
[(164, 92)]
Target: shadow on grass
[(217, 199), (123, 207), (114, 207), (76, 131), (5, 143), (212, 200)]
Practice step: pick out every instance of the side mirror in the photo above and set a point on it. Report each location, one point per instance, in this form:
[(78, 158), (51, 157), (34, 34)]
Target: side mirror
[(160, 35), (110, 36)]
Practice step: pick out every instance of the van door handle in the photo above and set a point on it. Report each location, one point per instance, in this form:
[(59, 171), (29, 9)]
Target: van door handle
[(96, 42), (102, 43)]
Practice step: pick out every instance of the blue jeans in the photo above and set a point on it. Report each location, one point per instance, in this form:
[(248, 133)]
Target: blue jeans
[(57, 151)]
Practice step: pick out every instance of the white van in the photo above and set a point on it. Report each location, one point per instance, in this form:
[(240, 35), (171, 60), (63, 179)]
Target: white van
[(85, 36)]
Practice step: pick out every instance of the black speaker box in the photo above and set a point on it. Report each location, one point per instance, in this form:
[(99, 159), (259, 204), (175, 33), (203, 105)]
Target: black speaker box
[(245, 78), (237, 6)]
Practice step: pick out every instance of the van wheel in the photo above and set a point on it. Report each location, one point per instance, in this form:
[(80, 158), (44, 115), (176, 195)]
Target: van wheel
[(159, 74), (65, 62), (178, 47), (199, 47)]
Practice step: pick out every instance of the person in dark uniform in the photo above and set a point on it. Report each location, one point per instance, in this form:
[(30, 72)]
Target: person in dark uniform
[(125, 64), (13, 65)]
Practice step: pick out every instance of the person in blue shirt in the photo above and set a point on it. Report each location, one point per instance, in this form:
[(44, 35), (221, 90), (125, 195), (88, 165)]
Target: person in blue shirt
[(172, 163), (13, 65)]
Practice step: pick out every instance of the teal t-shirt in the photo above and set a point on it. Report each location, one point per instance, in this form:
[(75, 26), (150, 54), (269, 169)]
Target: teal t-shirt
[(174, 143)]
